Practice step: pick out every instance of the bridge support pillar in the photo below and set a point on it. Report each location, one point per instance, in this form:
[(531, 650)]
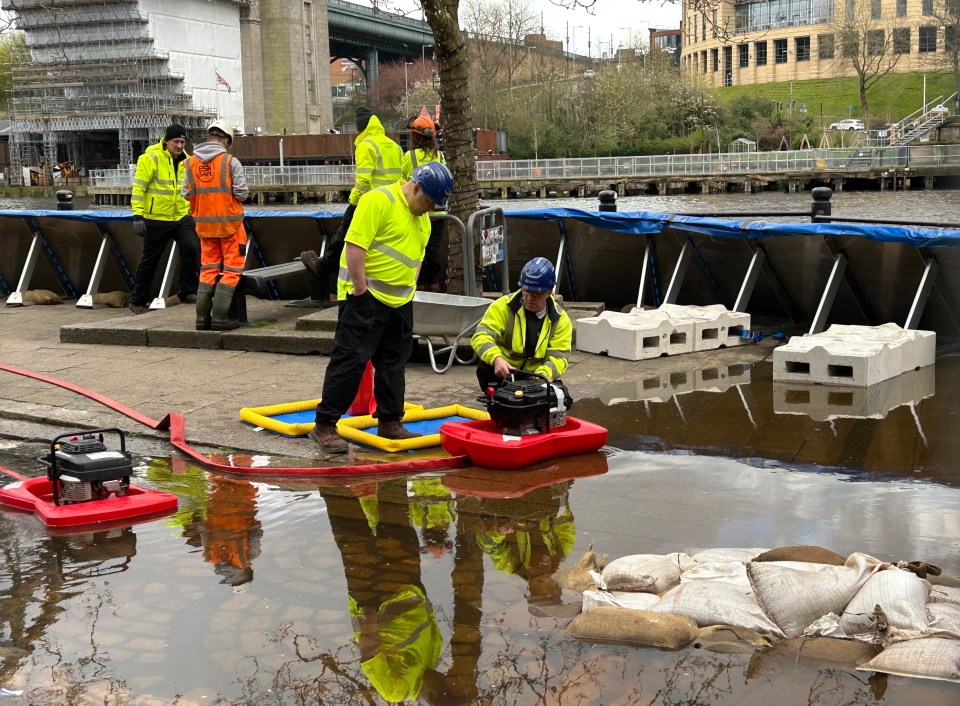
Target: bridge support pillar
[(885, 184), (793, 186), (927, 182), (747, 186), (838, 184), (542, 192), (663, 187), (621, 189)]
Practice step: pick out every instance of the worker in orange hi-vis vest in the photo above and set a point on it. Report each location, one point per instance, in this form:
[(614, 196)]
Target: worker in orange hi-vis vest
[(216, 186)]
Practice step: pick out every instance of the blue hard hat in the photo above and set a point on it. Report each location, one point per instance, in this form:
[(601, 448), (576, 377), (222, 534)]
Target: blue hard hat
[(436, 181), (538, 275)]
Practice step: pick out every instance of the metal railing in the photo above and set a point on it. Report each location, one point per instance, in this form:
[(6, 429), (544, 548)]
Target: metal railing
[(654, 167)]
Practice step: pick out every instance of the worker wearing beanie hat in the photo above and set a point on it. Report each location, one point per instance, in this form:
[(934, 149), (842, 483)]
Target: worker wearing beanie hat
[(377, 160), (161, 214)]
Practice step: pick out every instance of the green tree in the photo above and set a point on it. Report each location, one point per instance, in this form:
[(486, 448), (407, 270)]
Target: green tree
[(13, 53)]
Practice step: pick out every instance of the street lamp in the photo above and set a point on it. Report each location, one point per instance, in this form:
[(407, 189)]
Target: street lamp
[(406, 89)]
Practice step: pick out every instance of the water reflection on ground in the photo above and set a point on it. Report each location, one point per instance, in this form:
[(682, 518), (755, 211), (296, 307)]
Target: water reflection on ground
[(441, 588)]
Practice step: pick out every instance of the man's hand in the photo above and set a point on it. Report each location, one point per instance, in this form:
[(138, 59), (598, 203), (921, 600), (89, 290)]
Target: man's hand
[(139, 226), (501, 368)]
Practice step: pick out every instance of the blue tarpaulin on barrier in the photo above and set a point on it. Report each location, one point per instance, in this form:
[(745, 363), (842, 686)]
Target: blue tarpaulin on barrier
[(627, 222)]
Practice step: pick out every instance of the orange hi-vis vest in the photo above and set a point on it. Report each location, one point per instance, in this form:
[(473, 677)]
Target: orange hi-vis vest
[(216, 211)]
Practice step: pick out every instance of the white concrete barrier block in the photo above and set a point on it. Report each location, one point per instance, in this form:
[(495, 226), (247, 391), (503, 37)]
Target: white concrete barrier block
[(662, 387), (714, 326), (634, 336), (853, 355), (824, 403)]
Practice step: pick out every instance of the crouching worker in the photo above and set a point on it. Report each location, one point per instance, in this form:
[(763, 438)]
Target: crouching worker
[(526, 330), (379, 265), (216, 185)]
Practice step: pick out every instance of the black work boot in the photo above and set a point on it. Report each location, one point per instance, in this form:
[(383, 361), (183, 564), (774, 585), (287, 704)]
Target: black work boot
[(326, 436), (204, 306), (394, 430), (220, 316)]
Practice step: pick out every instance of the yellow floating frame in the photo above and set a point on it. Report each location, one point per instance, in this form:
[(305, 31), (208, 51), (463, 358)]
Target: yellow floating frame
[(264, 416), (352, 428)]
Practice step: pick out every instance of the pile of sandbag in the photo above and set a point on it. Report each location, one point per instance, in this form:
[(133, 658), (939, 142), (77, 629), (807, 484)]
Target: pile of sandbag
[(807, 605)]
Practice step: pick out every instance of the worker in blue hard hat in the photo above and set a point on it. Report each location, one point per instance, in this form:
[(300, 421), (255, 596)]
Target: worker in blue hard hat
[(381, 259), (526, 330)]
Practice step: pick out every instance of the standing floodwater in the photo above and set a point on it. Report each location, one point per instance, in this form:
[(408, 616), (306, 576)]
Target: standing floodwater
[(441, 588)]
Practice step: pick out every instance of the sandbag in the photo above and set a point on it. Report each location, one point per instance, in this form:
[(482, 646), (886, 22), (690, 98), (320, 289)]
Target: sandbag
[(794, 594), (717, 603), (734, 572), (721, 555), (944, 594), (577, 577), (944, 580), (594, 598), (816, 652), (650, 573), (926, 658), (114, 300), (730, 639), (41, 296), (902, 599), (803, 552), (633, 627), (944, 620), (170, 301)]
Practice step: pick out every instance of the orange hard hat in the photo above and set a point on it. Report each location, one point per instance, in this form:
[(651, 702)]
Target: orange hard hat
[(424, 125)]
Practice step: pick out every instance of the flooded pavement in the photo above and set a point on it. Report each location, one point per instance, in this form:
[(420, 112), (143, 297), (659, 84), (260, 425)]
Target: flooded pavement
[(439, 589)]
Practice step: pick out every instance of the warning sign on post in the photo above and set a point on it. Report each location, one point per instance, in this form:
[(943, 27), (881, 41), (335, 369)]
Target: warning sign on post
[(491, 241)]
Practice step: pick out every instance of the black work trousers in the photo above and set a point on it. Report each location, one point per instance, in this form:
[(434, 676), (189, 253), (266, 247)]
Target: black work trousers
[(431, 273), (368, 330), (329, 264), (159, 233)]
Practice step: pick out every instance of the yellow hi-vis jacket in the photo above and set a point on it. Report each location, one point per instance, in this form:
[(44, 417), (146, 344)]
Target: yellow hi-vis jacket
[(503, 331), (414, 158), (410, 644), (394, 239), (377, 159), (157, 185)]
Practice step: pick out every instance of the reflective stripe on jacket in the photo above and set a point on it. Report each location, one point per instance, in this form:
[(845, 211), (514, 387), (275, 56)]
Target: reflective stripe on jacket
[(394, 239), (217, 212), (503, 330), (157, 184), (377, 160)]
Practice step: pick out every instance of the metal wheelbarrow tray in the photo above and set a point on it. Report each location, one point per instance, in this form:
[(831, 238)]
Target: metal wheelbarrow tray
[(446, 316)]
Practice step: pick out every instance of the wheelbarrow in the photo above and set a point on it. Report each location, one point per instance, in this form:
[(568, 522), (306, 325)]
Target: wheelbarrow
[(449, 318)]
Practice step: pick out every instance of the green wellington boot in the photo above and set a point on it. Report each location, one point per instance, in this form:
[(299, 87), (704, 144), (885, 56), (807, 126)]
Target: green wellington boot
[(204, 306), (220, 319)]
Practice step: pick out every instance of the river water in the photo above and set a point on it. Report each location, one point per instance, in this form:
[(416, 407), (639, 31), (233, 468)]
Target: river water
[(936, 205)]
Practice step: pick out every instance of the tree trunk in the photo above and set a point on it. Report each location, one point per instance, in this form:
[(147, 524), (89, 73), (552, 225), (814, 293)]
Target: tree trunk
[(456, 117)]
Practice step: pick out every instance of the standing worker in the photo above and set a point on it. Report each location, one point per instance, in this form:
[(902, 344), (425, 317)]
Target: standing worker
[(216, 186), (526, 330), (161, 214), (378, 277), (423, 133), (377, 160)]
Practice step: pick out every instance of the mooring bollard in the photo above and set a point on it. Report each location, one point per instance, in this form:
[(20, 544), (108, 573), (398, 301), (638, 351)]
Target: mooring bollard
[(608, 200), (64, 200), (821, 205)]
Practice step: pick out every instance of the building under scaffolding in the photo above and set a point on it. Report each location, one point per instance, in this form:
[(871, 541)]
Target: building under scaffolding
[(105, 78)]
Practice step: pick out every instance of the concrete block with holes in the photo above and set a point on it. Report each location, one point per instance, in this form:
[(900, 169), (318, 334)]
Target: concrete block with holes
[(856, 356), (639, 335), (661, 387), (714, 326), (824, 403)]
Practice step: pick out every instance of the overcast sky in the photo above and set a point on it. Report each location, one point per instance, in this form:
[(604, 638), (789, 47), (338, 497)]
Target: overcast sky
[(621, 19)]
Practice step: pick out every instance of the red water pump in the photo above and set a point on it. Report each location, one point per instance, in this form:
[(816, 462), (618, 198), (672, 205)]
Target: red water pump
[(82, 468)]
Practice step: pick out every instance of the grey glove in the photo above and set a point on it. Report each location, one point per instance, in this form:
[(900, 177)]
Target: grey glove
[(139, 227)]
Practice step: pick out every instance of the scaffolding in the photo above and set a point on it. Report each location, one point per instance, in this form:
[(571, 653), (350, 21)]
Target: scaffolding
[(94, 71)]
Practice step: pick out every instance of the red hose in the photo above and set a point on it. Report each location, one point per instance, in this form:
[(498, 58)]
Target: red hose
[(175, 423)]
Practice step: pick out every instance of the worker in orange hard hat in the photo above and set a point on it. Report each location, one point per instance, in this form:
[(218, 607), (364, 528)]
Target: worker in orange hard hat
[(424, 148)]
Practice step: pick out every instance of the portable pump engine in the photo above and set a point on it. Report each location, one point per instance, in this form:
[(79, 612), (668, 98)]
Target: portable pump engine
[(82, 469), (524, 407)]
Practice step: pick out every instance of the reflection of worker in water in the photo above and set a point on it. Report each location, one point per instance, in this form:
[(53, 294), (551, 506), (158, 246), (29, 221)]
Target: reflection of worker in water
[(532, 547), (393, 619), (231, 533), (432, 511)]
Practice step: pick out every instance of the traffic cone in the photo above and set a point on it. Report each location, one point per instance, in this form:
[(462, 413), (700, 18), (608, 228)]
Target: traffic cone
[(364, 402)]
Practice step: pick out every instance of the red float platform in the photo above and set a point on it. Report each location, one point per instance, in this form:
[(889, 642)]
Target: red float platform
[(36, 495), (487, 446)]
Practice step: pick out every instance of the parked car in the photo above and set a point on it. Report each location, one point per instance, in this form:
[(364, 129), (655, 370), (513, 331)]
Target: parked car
[(939, 111), (847, 124)]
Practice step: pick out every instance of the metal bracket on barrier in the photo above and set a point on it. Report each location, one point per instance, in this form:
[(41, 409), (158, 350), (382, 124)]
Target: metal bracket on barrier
[(167, 283), (829, 293), (931, 269), (679, 272), (750, 280), (863, 303), (86, 300), (33, 253), (645, 269)]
